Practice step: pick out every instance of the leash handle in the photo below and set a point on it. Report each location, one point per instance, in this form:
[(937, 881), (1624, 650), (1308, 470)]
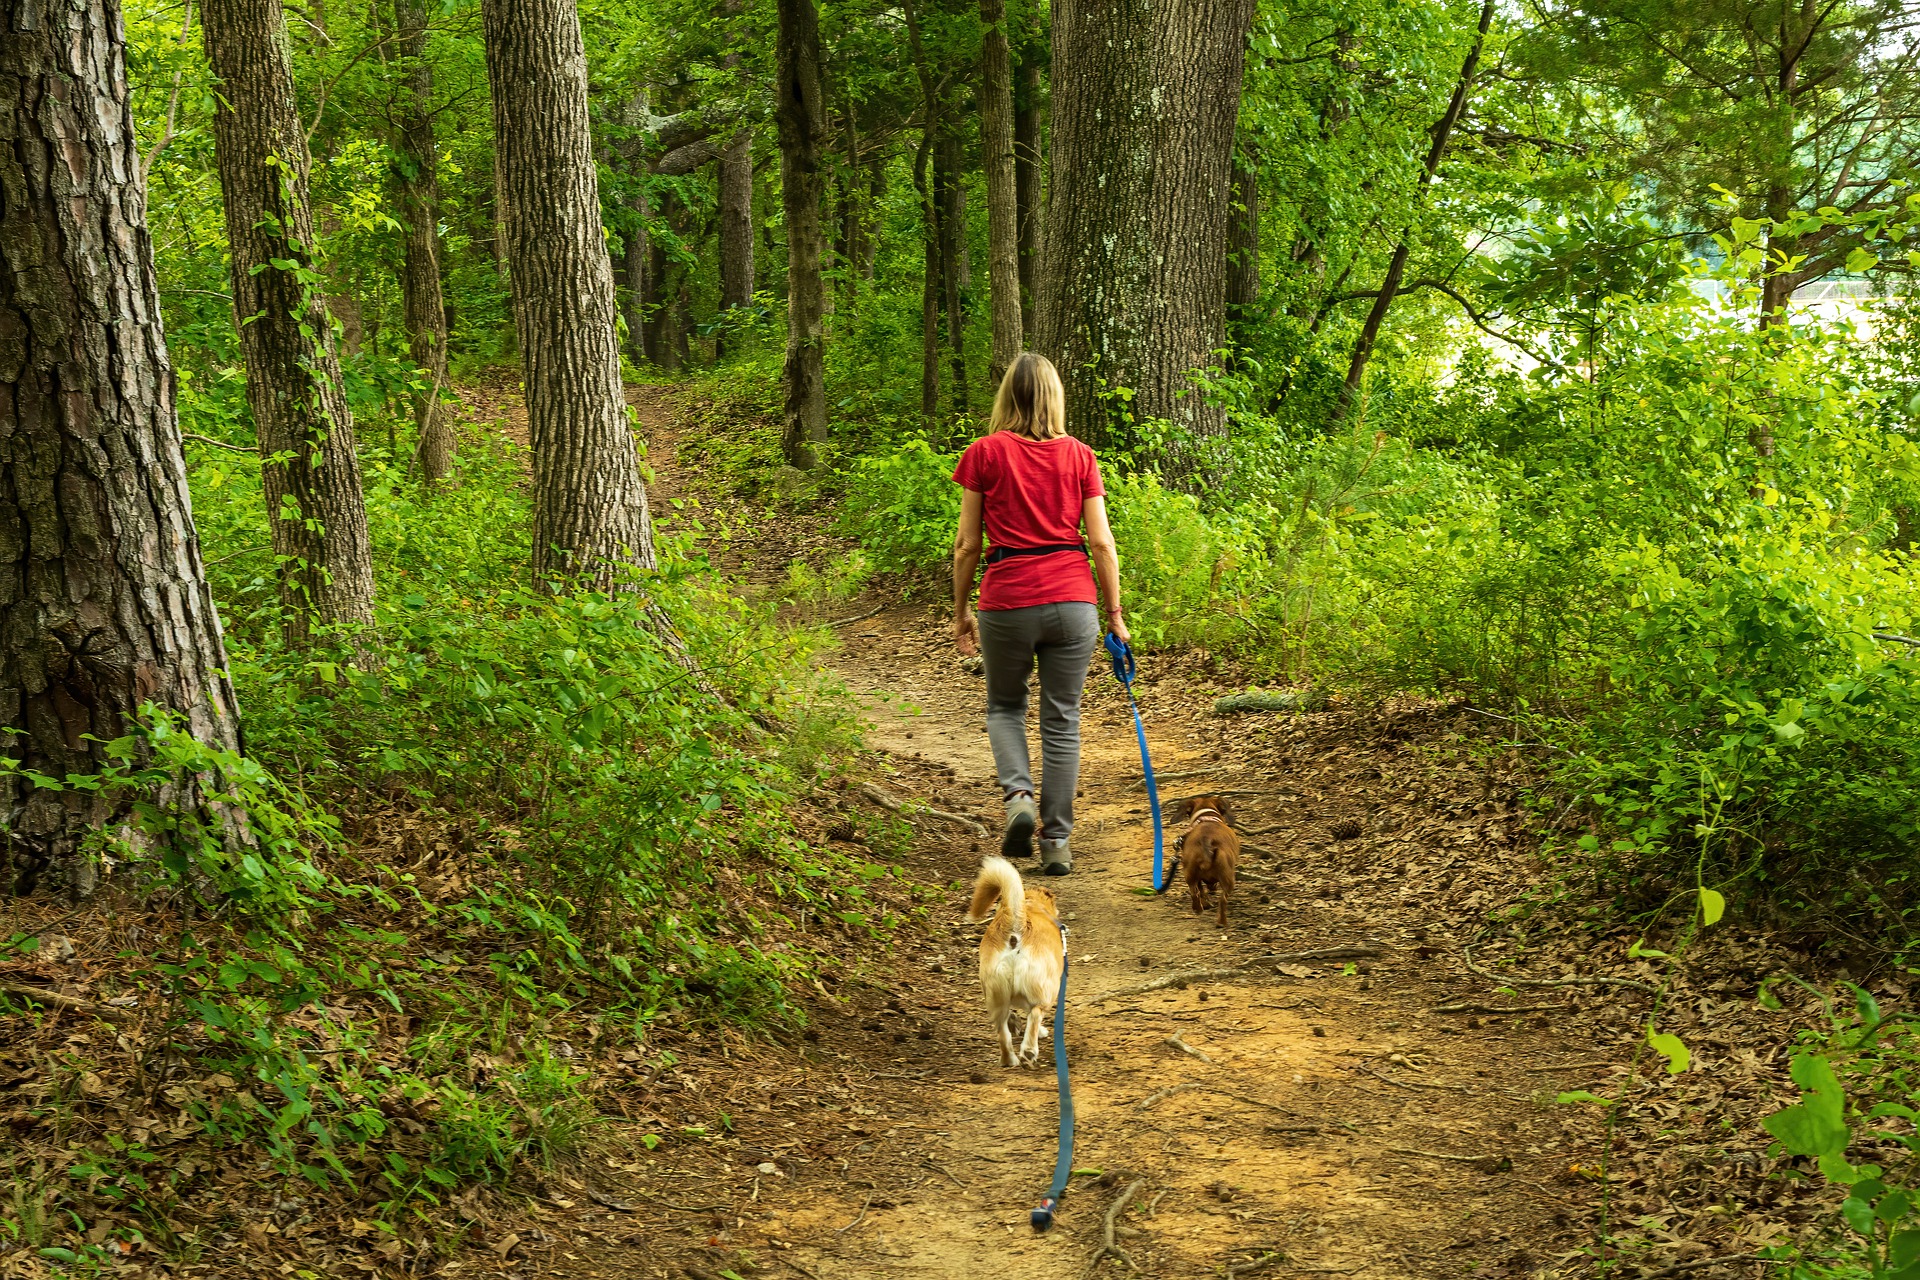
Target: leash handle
[(1042, 1217), (1120, 653)]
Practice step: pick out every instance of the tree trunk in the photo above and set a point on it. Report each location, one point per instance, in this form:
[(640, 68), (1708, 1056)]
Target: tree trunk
[(310, 471), (930, 281), (802, 116), (637, 259), (1441, 135), (736, 222), (876, 191), (951, 199), (103, 603), (1243, 245), (422, 303), (662, 323), (589, 505), (1003, 197), (1026, 181), (1133, 293)]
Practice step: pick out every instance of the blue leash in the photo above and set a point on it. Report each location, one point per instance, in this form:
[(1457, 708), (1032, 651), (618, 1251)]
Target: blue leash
[(1042, 1217), (1122, 656)]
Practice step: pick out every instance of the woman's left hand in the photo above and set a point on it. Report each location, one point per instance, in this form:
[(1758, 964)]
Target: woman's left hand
[(966, 634)]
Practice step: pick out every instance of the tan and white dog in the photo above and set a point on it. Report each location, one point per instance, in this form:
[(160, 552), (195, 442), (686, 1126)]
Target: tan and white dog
[(1021, 954)]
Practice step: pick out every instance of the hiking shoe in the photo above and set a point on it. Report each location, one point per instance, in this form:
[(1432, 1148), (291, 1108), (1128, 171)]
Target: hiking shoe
[(1022, 816), (1055, 859)]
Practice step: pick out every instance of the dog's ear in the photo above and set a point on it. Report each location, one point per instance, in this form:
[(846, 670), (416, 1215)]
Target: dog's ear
[(1186, 807), (1226, 810)]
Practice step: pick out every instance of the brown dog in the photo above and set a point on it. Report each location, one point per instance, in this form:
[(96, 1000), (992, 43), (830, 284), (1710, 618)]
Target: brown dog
[(1210, 851)]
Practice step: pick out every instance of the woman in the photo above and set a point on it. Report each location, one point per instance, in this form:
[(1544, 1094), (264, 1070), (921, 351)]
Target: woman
[(1033, 487)]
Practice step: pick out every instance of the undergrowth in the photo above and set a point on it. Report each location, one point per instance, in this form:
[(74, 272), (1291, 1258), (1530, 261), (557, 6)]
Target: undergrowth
[(470, 867)]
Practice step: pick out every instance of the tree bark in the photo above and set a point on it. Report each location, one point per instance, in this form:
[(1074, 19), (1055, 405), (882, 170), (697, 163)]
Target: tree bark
[(104, 605), (310, 469), (930, 281), (1026, 181), (802, 116), (736, 222), (1133, 293), (736, 203), (423, 305), (590, 519), (636, 262), (1243, 244), (951, 198), (1003, 196), (1441, 135)]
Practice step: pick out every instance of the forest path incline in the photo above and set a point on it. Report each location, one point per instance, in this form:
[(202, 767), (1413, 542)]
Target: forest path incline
[(1312, 1116)]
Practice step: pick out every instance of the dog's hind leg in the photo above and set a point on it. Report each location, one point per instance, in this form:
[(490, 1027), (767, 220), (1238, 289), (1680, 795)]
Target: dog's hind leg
[(999, 1014), (1030, 1043), (1224, 890)]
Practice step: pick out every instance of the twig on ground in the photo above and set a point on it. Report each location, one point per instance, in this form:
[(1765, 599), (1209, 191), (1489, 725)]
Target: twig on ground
[(1107, 1245), (1172, 980), (1569, 1066), (860, 1218), (937, 1169), (1415, 1084), (1356, 951), (859, 617), (61, 1000), (1474, 1006), (1267, 1256), (1725, 1258), (1192, 1086), (1184, 1047), (608, 1202), (683, 1208), (1466, 956), (1441, 1155), (1216, 771), (897, 805)]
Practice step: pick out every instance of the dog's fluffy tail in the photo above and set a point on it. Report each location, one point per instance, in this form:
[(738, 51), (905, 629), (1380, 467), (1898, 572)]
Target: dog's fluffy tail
[(999, 882)]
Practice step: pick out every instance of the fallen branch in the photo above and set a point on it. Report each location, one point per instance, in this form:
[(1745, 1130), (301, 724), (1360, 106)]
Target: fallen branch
[(1474, 1006), (859, 617), (1414, 1084), (1172, 980), (1466, 955), (684, 1208), (1268, 1255), (608, 1202), (1569, 1066), (1194, 1086), (1358, 951), (1186, 1048), (1107, 1245), (862, 1217), (896, 805), (1725, 1258), (61, 1000), (1441, 1155)]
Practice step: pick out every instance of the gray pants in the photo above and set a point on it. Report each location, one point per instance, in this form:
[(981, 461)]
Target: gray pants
[(1062, 637)]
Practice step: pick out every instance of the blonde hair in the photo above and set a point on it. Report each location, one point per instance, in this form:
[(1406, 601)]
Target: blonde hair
[(1031, 400)]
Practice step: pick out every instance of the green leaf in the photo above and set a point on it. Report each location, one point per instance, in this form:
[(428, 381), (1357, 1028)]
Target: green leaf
[(1712, 906), (1816, 1125), (1671, 1048), (1581, 1095), (1861, 260)]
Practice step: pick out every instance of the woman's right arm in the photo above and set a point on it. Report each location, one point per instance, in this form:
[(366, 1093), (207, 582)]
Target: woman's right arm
[(1106, 563)]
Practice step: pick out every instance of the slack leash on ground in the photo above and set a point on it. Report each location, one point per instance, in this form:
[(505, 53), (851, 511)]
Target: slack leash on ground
[(1042, 1217), (1121, 655)]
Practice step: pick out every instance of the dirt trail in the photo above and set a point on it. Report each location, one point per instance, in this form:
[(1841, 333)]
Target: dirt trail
[(1314, 1118)]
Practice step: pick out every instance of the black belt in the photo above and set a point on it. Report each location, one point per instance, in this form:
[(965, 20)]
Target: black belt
[(998, 554)]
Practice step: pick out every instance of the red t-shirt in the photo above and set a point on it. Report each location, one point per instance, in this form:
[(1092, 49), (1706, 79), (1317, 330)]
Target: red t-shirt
[(1034, 491)]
